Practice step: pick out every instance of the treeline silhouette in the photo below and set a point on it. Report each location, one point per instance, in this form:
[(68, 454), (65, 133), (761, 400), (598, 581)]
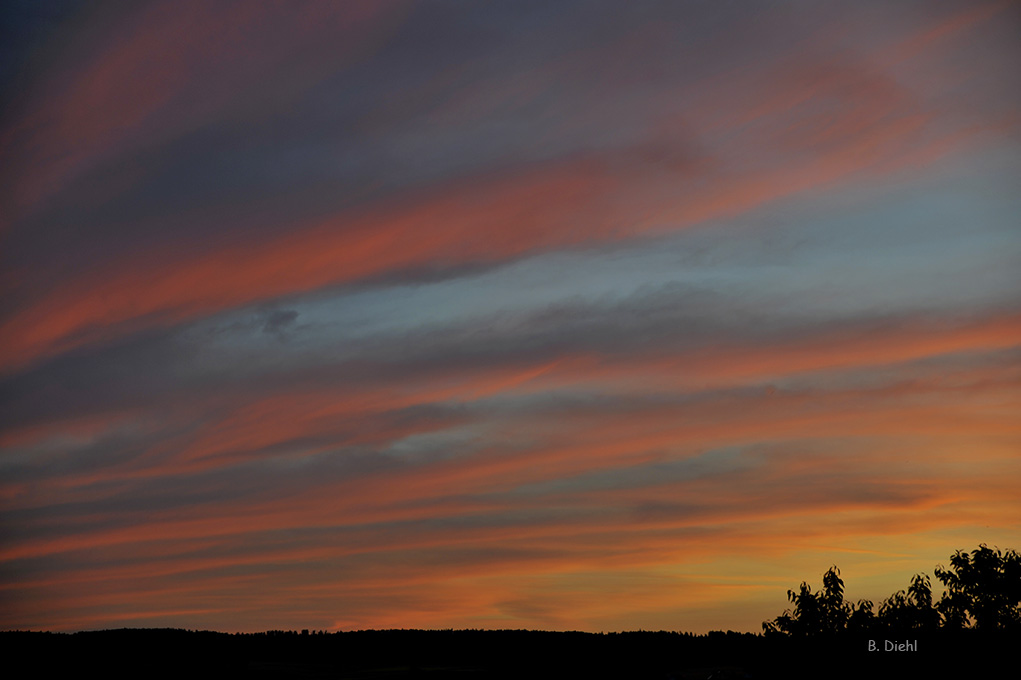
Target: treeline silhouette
[(391, 654), (973, 626)]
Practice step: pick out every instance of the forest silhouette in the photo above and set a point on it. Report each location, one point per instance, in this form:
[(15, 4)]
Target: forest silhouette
[(970, 630)]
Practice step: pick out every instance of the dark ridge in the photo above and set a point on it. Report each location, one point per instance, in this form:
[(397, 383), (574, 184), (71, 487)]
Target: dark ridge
[(498, 654)]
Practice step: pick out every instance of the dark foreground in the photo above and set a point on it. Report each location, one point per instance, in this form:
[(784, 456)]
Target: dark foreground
[(472, 654)]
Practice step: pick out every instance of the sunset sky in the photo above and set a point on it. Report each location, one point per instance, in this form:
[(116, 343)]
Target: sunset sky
[(564, 315)]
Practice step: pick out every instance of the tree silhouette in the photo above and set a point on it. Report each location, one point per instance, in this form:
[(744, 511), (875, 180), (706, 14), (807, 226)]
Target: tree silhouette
[(983, 589), (911, 610), (861, 618), (824, 612)]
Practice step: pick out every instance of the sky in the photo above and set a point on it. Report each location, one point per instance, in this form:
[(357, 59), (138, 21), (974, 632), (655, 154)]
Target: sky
[(554, 315)]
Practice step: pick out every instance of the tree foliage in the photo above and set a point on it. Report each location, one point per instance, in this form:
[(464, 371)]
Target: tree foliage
[(819, 613), (982, 590), (912, 609)]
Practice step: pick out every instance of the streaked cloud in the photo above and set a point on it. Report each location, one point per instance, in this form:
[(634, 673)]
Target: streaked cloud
[(566, 316)]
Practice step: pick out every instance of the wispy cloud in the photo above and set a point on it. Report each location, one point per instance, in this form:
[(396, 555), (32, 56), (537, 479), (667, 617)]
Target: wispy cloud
[(396, 315)]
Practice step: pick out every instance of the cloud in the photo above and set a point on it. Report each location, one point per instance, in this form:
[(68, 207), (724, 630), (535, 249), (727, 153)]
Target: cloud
[(838, 120), (395, 316)]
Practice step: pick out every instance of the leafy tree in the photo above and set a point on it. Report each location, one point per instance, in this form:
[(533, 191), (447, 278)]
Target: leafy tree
[(911, 610), (983, 589), (861, 617), (819, 613)]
